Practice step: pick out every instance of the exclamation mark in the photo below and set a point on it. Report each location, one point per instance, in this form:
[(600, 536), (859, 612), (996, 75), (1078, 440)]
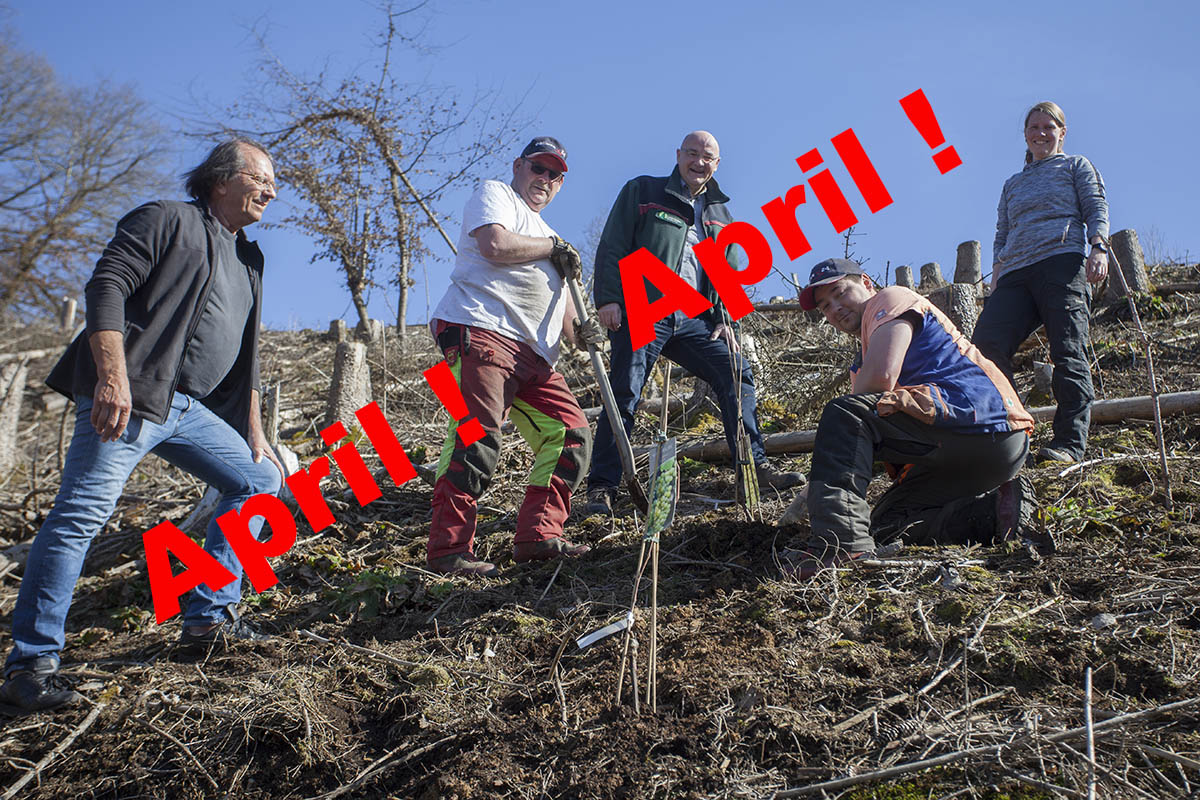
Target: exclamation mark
[(861, 170), (441, 379), (920, 113)]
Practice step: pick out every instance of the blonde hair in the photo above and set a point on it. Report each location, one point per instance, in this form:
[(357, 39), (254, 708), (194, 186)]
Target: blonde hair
[(1050, 109)]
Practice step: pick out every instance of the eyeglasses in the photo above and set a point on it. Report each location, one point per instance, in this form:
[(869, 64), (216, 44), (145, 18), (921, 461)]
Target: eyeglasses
[(538, 169), (260, 181), (704, 158)]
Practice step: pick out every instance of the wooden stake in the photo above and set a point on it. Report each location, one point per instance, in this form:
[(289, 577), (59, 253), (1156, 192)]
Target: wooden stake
[(1091, 734), (1145, 342)]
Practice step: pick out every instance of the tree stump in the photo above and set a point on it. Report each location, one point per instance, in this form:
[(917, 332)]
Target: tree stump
[(904, 277), (351, 386), (963, 307), (372, 332), (337, 330), (931, 276), (750, 353), (967, 267), (66, 315), (1128, 253), (12, 391), (702, 399), (1042, 391)]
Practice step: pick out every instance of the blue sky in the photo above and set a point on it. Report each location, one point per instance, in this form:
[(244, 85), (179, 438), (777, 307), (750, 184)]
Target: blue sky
[(621, 82)]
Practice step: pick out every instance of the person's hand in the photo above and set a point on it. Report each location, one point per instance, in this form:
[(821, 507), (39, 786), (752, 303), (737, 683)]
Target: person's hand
[(609, 315), (566, 260), (725, 332), (259, 447), (1097, 266), (589, 334), (112, 404)]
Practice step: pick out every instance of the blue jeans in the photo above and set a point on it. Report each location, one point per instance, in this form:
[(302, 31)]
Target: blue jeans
[(1053, 292), (686, 342), (94, 475)]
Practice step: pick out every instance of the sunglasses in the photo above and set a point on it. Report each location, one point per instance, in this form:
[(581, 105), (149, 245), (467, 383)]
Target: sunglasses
[(538, 169)]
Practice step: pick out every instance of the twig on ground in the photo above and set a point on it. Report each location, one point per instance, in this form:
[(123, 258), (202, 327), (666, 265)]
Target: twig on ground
[(59, 749), (1191, 763), (965, 650), (150, 726), (1050, 787), (1029, 612), (549, 584), (383, 764)]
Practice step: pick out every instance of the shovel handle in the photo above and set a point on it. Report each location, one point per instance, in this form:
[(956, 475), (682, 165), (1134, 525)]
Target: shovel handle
[(637, 494)]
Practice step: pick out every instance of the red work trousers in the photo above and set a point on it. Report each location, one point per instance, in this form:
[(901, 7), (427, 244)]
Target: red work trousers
[(497, 374)]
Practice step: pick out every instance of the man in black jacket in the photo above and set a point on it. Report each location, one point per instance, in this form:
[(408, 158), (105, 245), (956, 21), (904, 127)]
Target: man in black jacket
[(168, 364), (668, 216)]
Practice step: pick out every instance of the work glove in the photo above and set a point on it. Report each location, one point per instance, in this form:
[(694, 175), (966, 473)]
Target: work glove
[(566, 260), (590, 333)]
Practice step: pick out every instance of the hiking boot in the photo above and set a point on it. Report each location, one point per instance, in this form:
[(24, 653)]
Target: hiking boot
[(802, 565), (465, 564), (1053, 455), (1016, 507), (223, 633), (599, 501), (769, 476), (38, 689), (547, 550)]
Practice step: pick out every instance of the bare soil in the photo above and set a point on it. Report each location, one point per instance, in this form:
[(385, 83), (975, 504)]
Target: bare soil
[(429, 687)]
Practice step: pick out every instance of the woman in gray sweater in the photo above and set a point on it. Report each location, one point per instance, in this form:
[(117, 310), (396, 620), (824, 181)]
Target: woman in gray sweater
[(1042, 264)]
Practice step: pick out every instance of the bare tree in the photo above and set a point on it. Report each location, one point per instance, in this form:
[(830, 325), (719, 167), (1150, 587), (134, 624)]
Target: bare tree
[(72, 161), (370, 156)]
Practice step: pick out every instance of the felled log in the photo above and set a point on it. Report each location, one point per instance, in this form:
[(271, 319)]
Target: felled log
[(26, 355), (1103, 412)]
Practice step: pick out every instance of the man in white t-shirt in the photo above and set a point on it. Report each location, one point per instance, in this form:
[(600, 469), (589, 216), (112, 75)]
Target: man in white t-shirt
[(499, 326)]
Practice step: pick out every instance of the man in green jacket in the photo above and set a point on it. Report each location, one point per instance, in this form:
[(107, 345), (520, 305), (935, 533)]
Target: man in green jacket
[(669, 216)]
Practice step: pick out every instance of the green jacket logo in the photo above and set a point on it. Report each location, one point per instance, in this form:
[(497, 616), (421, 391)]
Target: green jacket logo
[(664, 216)]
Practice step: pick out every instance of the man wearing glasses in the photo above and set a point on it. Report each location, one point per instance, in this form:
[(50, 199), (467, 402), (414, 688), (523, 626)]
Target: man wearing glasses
[(669, 216), (168, 364), (499, 325)]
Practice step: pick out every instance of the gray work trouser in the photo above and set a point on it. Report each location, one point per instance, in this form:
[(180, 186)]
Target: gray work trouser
[(1053, 292), (937, 468)]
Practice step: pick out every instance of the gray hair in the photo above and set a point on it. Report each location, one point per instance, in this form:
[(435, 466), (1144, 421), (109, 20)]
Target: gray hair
[(220, 165)]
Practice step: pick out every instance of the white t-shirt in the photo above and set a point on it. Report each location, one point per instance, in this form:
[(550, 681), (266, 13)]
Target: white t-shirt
[(525, 302)]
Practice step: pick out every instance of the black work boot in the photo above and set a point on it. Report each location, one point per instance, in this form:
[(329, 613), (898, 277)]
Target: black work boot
[(38, 688), (221, 634)]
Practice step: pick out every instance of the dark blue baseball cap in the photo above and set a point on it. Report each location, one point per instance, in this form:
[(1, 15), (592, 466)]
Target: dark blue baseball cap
[(828, 271), (547, 146)]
